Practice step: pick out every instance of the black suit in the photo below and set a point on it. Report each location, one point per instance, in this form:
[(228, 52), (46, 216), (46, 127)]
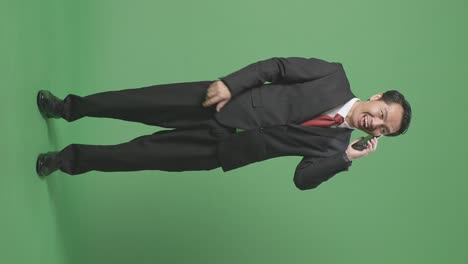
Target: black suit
[(299, 90)]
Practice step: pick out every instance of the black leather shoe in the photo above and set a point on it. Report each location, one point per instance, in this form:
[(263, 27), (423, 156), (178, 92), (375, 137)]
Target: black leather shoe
[(47, 163), (49, 105)]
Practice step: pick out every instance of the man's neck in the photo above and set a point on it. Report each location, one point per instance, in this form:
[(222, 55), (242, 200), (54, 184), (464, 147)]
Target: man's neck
[(348, 117)]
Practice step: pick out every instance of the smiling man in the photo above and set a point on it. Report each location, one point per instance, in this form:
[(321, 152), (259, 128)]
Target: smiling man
[(276, 107)]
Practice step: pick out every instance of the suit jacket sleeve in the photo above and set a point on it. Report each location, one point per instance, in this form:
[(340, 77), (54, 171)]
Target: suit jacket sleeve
[(312, 171), (278, 70)]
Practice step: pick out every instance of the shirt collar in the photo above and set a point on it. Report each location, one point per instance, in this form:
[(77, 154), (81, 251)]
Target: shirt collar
[(344, 110)]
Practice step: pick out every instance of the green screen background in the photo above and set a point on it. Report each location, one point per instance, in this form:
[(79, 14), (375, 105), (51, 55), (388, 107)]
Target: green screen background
[(405, 203)]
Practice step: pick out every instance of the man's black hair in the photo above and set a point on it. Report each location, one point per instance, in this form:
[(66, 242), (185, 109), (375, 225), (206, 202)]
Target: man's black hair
[(394, 96)]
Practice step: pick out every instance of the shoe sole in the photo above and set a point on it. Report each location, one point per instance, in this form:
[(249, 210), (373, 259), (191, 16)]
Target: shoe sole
[(37, 164), (38, 99)]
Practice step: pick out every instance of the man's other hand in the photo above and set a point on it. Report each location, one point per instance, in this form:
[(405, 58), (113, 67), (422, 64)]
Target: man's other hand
[(354, 154), (217, 93)]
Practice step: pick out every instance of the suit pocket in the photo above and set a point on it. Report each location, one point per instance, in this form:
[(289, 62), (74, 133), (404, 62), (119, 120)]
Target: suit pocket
[(256, 95)]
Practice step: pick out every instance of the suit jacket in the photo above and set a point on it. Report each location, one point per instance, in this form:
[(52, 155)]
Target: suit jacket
[(270, 113)]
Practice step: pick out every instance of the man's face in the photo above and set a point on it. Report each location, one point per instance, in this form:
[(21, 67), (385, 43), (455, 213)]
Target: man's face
[(377, 118)]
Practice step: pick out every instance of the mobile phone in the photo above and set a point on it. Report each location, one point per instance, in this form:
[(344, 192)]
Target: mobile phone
[(362, 144)]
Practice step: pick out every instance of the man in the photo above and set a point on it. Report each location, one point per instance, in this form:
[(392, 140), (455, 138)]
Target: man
[(271, 108)]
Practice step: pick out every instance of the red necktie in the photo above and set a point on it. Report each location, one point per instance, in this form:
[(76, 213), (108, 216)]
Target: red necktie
[(325, 121)]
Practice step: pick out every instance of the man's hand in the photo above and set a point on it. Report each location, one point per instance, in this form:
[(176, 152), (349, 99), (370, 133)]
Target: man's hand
[(354, 154), (217, 93)]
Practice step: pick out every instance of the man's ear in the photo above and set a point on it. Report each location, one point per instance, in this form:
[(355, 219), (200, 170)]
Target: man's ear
[(376, 97)]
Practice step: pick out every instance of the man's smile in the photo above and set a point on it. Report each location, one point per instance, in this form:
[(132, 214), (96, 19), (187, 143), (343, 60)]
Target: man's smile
[(365, 123)]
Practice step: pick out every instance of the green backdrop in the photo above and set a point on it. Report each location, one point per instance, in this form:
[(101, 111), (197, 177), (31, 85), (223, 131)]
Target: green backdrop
[(405, 203)]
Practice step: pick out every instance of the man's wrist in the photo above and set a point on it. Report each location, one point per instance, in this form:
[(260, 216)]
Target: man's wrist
[(347, 158), (223, 82)]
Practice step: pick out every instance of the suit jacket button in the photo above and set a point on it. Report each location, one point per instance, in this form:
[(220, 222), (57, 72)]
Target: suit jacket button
[(261, 130)]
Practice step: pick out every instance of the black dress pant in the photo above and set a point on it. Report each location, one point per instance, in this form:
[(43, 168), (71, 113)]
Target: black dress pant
[(190, 144)]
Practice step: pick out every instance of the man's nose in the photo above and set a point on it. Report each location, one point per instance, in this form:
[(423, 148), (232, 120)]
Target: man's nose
[(377, 122), (376, 125)]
